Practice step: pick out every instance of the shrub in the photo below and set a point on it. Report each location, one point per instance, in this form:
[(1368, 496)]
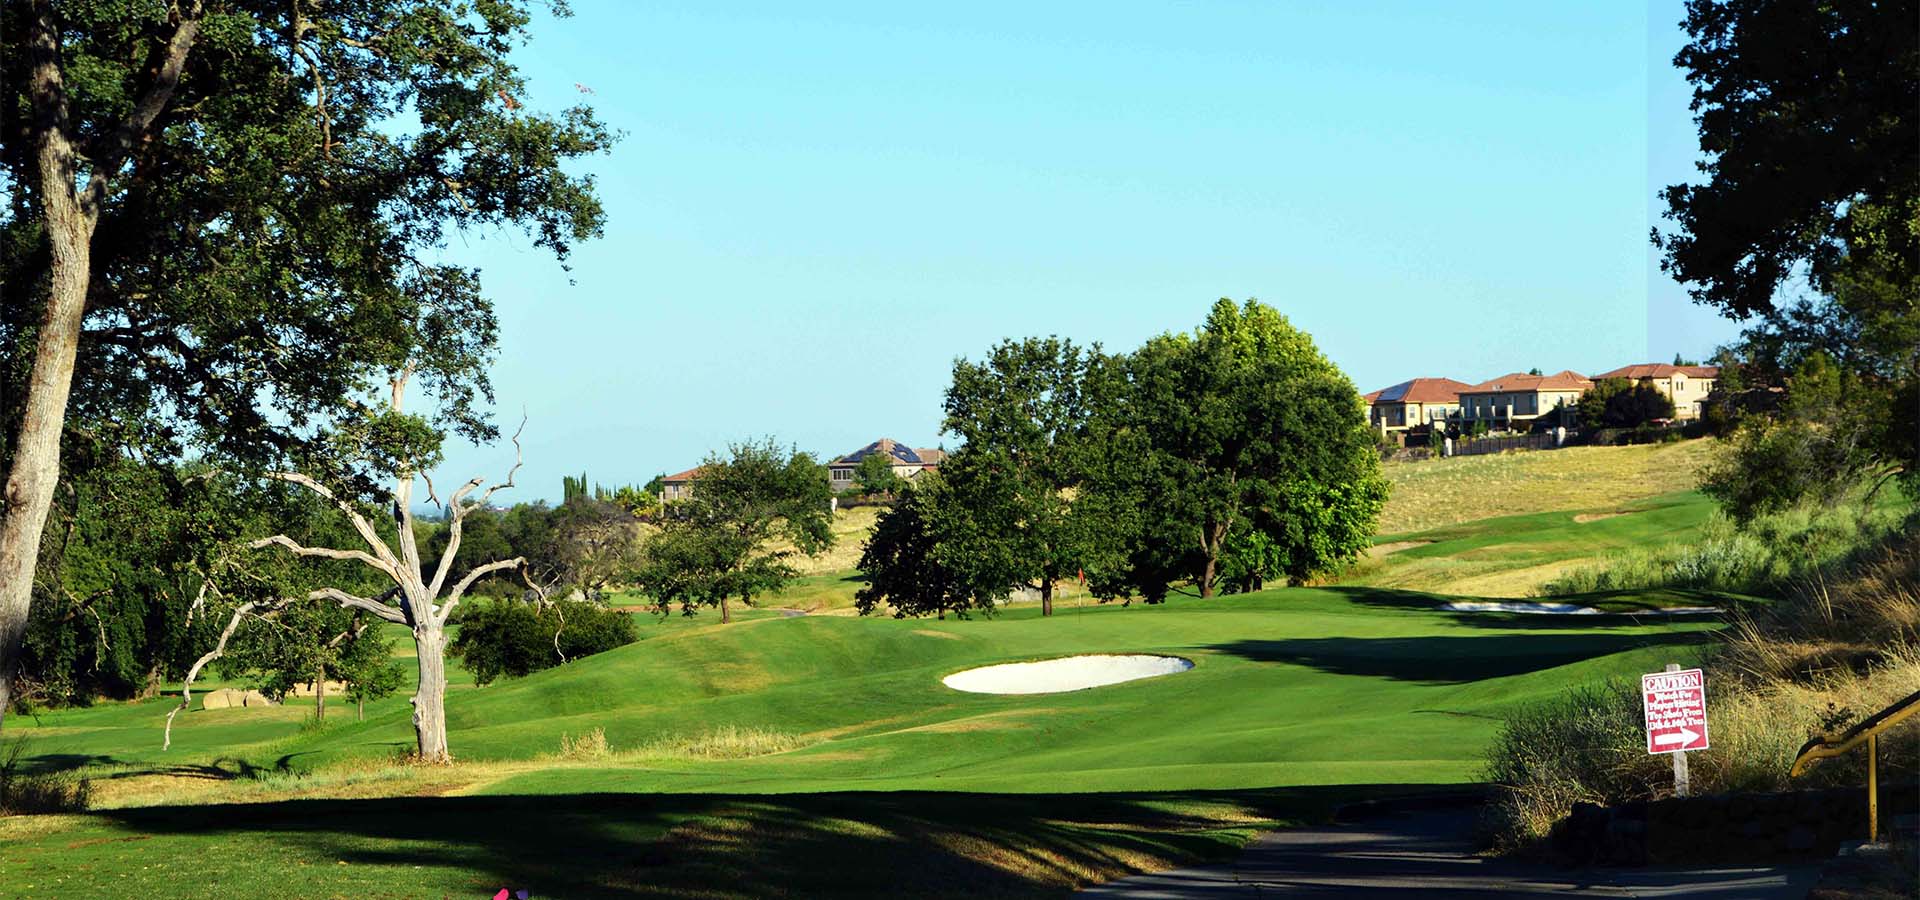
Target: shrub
[(1581, 747), (592, 745), (24, 792), (514, 639), (1765, 555), (1842, 643)]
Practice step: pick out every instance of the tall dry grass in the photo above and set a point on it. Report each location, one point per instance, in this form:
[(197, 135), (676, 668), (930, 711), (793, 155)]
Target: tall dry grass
[(1769, 553), (1436, 492), (27, 792), (1839, 645)]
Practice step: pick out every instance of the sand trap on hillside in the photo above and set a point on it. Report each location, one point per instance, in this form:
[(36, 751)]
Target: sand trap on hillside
[(1378, 550), (1070, 673), (1584, 518), (1567, 609)]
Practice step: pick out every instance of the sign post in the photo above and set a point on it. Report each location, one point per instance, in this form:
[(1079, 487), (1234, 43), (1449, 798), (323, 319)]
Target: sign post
[(1675, 703)]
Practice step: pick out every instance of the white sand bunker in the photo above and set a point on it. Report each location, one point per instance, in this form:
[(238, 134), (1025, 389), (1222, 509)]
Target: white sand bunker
[(1070, 673), (1567, 609)]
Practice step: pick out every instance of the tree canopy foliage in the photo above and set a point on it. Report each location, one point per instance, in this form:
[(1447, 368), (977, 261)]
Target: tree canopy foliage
[(1808, 224), (1242, 426), (1222, 459), (750, 512), (1623, 403), (1806, 115), (214, 241)]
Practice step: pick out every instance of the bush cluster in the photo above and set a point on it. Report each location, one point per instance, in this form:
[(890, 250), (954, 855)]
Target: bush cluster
[(1841, 643), (1766, 553), (513, 639)]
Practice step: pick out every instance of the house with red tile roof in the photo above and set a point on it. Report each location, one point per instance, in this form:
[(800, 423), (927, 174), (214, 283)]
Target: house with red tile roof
[(1410, 404), (679, 485), (1518, 398), (1686, 386)]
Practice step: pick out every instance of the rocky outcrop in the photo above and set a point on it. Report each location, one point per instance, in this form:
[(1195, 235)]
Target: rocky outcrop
[(230, 698)]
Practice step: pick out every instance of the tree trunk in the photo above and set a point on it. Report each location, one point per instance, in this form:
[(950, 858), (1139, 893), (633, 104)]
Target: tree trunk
[(726, 615), (430, 701), (36, 449), (1046, 597), (320, 695), (360, 709), (1211, 542)]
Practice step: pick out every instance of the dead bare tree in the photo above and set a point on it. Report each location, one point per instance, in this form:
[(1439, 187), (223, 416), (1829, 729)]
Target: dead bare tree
[(420, 603)]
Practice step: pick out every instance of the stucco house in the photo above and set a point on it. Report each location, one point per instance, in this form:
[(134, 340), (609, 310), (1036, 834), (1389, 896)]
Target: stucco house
[(1686, 386), (1519, 398), (908, 462), (1410, 404), (679, 485)]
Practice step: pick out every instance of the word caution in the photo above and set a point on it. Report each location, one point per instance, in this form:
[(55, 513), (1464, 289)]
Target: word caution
[(1676, 707)]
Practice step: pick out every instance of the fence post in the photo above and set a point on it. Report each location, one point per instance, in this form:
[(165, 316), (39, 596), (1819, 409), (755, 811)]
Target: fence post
[(1681, 785), (1873, 789)]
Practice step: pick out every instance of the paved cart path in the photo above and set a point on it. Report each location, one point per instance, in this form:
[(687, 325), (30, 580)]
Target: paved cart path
[(1431, 854)]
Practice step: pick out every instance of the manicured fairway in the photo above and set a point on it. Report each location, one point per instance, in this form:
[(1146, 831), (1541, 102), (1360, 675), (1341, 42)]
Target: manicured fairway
[(1510, 556), (1299, 698)]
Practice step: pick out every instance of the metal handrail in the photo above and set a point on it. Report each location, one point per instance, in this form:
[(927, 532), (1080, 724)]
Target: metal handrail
[(1867, 731), (1827, 747)]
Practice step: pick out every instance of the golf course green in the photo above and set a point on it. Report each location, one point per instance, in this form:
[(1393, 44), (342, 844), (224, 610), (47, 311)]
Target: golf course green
[(823, 749)]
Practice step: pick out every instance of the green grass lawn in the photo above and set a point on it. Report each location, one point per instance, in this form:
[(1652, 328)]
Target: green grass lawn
[(1299, 698), (1511, 555)]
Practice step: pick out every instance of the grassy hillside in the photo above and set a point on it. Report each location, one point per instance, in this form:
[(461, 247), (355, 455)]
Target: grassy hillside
[(1432, 493), (1298, 697), (1511, 555)]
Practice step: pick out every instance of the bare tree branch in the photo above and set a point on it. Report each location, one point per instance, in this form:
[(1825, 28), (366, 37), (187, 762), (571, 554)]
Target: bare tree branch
[(298, 549), (460, 588), (458, 510), (395, 614), (219, 649), (359, 522)]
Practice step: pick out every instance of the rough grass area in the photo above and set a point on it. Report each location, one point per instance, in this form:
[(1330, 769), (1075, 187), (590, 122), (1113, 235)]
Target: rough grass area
[(31, 791), (1758, 557), (1513, 555), (850, 530), (1432, 493), (1832, 651), (724, 742)]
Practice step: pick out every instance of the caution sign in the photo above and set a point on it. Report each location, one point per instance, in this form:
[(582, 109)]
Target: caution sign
[(1676, 708)]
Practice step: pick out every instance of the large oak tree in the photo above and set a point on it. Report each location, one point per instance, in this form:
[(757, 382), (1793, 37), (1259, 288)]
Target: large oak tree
[(1208, 439), (217, 213)]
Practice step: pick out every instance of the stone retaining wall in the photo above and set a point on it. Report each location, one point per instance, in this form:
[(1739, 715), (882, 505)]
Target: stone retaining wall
[(1725, 828)]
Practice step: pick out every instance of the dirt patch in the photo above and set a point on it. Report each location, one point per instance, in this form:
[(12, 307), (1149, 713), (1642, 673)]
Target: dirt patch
[(928, 632), (1378, 550), (1584, 518)]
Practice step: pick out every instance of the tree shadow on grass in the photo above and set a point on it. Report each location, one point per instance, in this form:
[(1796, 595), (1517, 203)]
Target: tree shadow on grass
[(1449, 659), (918, 844), (1619, 609)]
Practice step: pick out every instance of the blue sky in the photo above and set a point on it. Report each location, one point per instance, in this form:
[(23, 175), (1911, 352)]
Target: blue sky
[(815, 210)]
